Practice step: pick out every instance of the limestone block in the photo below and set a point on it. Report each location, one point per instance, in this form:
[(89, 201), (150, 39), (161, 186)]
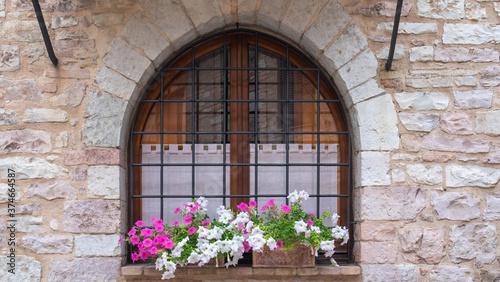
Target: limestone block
[(391, 203), (91, 216), (376, 252), (450, 273), (141, 33), (23, 209), (114, 83), (27, 167), (358, 70), (494, 158), (107, 19), (492, 209), (474, 34), (25, 141), (488, 122), (8, 117), (457, 123), (135, 64), (425, 174), (64, 21), (9, 58), (205, 15), (473, 99), (79, 174), (85, 269), (97, 156), (19, 30), (475, 11), (48, 244), (464, 176), (462, 54), (465, 80), (389, 272), (70, 35), (490, 76), (68, 72), (4, 193), (423, 245), (399, 52), (441, 9), (103, 119), (105, 181), (455, 205), (62, 140), (398, 176), (473, 240), (449, 144), (36, 115), (409, 28), (97, 246), (374, 168), (378, 124), (422, 101), (29, 224), (72, 95), (298, 9), (116, 4), (404, 157), (3, 234), (332, 18), (421, 54), (363, 92), (246, 11), (490, 275), (419, 121), (172, 20), (344, 49), (384, 9), (58, 189), (27, 269), (270, 13), (376, 231), (26, 89)]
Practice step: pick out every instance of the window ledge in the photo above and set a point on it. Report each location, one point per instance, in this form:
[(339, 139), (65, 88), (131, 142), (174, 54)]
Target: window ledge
[(147, 271)]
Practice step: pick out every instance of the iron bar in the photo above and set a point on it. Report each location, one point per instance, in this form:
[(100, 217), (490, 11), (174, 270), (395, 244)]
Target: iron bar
[(45, 33), (394, 35)]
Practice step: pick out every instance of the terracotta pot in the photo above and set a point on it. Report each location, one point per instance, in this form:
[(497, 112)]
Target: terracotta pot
[(299, 256)]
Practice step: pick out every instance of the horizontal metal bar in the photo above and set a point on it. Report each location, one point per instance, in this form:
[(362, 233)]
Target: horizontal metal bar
[(244, 132), (233, 68), (236, 196), (237, 100), (243, 164)]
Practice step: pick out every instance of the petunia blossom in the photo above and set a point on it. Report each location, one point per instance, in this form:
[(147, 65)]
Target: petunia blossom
[(270, 203), (159, 228), (132, 232), (135, 257), (285, 208), (175, 223), (148, 242), (135, 240), (310, 222), (146, 232), (177, 210), (252, 203), (139, 223), (192, 230), (242, 206)]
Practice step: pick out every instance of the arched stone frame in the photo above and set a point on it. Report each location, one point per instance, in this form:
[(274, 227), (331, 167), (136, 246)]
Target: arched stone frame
[(333, 40)]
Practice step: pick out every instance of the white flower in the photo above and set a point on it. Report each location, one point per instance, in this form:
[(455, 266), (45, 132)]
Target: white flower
[(294, 197), (225, 217), (335, 219), (202, 202), (177, 252), (315, 229), (303, 195), (334, 263), (308, 233), (242, 217), (249, 226), (256, 242), (202, 232), (159, 263), (224, 246), (221, 209), (271, 243), (167, 275), (300, 226), (327, 245), (338, 232), (257, 231), (193, 258)]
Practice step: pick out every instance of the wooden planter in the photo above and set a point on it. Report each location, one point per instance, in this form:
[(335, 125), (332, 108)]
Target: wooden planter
[(299, 256)]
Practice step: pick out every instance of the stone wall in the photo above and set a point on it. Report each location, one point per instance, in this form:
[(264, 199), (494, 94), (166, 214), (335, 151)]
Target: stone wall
[(425, 134)]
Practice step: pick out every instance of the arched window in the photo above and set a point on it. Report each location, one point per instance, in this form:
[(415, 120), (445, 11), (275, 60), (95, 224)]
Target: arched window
[(237, 117)]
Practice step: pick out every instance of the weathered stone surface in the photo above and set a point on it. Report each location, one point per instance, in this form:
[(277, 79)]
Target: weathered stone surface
[(391, 203), (490, 76), (68, 72), (374, 167), (23, 209), (409, 28), (305, 10), (488, 122), (27, 167), (96, 156), (103, 113), (376, 231), (114, 83), (62, 140), (206, 15), (449, 144), (135, 65), (25, 141), (358, 70), (398, 176), (421, 101), (172, 20), (55, 5), (13, 90), (462, 54), (455, 205), (464, 176), (419, 122), (429, 80), (437, 157), (376, 252), (107, 19), (105, 181), (116, 4), (64, 21), (97, 246), (29, 224), (404, 157), (72, 95), (48, 244), (27, 269), (425, 174), (79, 174), (475, 11), (85, 269), (344, 49), (3, 234), (399, 52), (469, 34), (465, 80), (35, 115), (34, 51), (389, 272), (494, 158), (93, 216), (491, 275), (473, 99), (441, 9), (457, 123), (377, 124), (473, 240), (492, 209), (366, 90), (423, 245), (70, 35), (58, 189), (9, 58), (411, 143), (450, 273), (24, 31), (384, 9), (4, 193), (421, 54), (141, 33), (8, 117), (270, 13), (246, 11)]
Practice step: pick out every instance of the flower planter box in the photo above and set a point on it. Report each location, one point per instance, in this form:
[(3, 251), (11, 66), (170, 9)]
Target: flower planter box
[(299, 256)]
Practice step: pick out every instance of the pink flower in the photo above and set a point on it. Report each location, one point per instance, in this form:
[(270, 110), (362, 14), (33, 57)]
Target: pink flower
[(146, 232), (241, 226), (159, 228), (193, 209), (246, 246), (177, 210), (148, 242), (252, 203), (121, 240), (264, 207), (153, 250), (140, 246), (279, 244), (285, 208), (139, 223), (270, 203), (187, 219), (312, 214), (132, 232), (242, 206), (160, 239), (144, 254), (310, 222), (169, 244), (135, 257), (192, 230), (153, 219), (135, 240), (245, 231), (175, 223), (205, 222), (196, 204), (159, 222)]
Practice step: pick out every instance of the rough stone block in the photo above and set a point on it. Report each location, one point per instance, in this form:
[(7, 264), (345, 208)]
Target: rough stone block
[(389, 272), (490, 76), (450, 273), (457, 123), (464, 176), (298, 9), (391, 203), (64, 21), (358, 70), (25, 141), (246, 11), (374, 167), (97, 246), (448, 144), (399, 53), (409, 28), (24, 31), (376, 252), (72, 95), (474, 34), (27, 167), (423, 245), (28, 209), (422, 101), (492, 209), (425, 174), (419, 121), (4, 193), (473, 240), (36, 115), (376, 231), (105, 181), (462, 54), (206, 15), (491, 275), (421, 54), (411, 143), (107, 19), (473, 99), (85, 269), (441, 9), (455, 205), (97, 156), (9, 58), (114, 83), (29, 224), (58, 189), (270, 13), (384, 9), (48, 244), (135, 64), (488, 122), (27, 269), (8, 117), (26, 89), (475, 11), (92, 216), (363, 92)]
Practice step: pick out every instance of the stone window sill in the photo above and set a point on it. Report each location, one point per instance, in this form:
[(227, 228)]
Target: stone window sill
[(148, 272)]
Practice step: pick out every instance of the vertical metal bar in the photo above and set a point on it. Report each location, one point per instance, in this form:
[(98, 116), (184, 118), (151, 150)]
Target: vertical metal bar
[(287, 137), (162, 148), (131, 181), (256, 119), (193, 126), (224, 121), (394, 35), (318, 167), (350, 244), (45, 33)]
